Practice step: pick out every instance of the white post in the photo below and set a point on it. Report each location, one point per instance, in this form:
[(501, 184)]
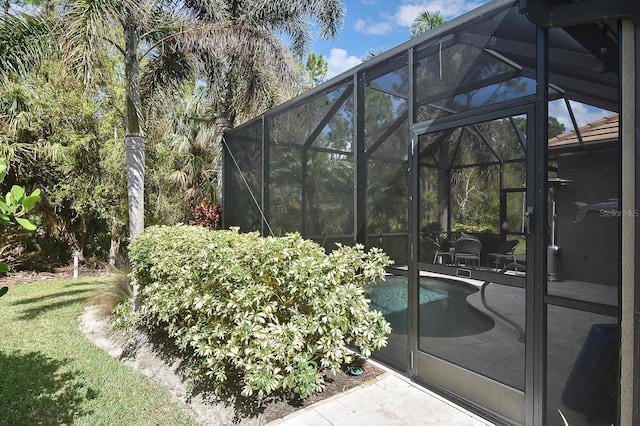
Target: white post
[(75, 265)]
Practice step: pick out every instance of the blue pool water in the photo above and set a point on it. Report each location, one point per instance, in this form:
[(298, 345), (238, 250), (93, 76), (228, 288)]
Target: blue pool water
[(391, 295), (443, 310)]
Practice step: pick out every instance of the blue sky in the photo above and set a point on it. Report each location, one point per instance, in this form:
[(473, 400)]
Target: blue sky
[(379, 25)]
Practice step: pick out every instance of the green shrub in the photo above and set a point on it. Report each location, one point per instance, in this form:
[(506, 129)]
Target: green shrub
[(272, 313), (13, 207)]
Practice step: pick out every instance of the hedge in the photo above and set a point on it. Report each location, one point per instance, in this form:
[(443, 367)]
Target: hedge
[(271, 313)]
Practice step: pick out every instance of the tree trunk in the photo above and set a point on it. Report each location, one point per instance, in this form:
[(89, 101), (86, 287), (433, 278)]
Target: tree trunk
[(134, 146), (134, 139), (222, 125)]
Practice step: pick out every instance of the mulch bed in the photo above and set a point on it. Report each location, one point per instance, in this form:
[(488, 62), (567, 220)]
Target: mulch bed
[(335, 384)]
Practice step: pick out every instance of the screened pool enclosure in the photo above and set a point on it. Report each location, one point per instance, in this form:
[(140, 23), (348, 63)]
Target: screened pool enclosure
[(486, 157)]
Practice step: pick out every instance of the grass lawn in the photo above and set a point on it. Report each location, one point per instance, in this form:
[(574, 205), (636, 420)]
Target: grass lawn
[(50, 374)]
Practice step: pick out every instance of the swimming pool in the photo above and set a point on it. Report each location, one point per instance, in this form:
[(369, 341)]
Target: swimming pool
[(443, 307)]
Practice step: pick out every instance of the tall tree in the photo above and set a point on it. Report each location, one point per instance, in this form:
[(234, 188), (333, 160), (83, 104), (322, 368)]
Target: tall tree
[(315, 69), (426, 21), (233, 46)]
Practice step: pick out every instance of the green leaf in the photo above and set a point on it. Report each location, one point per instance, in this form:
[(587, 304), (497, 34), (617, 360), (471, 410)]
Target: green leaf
[(5, 220), (17, 192), (3, 291), (3, 165), (4, 267), (29, 201), (2, 175), (25, 223)]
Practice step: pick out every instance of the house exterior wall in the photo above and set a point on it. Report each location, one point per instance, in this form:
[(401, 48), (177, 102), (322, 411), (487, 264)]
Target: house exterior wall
[(590, 247), (630, 329)]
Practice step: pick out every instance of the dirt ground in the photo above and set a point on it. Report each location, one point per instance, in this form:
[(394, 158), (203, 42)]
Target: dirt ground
[(159, 361), (60, 273)]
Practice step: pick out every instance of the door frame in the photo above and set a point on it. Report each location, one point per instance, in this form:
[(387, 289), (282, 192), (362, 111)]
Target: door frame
[(501, 402)]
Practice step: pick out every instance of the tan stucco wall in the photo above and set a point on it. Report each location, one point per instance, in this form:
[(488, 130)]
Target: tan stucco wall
[(628, 222)]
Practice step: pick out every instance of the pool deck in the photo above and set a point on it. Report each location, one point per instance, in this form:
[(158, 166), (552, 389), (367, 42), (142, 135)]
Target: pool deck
[(499, 353), (389, 399), (392, 399)]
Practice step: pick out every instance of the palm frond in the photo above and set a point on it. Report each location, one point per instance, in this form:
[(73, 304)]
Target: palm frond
[(179, 178), (25, 40), (180, 144), (244, 66), (167, 69), (91, 25), (206, 135), (292, 18), (208, 10)]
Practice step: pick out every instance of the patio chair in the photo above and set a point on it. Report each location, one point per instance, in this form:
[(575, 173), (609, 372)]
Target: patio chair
[(444, 253), (506, 251), (468, 251)]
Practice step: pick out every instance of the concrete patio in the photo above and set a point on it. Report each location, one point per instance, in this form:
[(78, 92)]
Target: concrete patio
[(390, 399)]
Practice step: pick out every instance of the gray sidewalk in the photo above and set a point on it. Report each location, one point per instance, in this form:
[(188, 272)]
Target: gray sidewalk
[(389, 399)]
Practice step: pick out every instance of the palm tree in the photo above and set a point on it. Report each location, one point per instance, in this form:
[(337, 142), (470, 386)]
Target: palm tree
[(233, 46), (426, 21)]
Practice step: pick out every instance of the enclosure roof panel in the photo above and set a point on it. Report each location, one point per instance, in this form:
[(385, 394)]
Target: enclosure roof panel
[(583, 60)]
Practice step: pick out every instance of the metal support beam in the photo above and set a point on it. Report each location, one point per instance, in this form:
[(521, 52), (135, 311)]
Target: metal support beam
[(414, 220), (360, 163), (328, 116), (266, 171), (388, 132), (574, 122), (634, 134), (304, 171), (567, 13), (536, 312)]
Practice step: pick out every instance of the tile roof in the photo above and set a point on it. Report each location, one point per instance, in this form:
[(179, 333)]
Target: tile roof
[(602, 130)]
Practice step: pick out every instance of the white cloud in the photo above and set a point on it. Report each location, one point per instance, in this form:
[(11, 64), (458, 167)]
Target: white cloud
[(407, 13), (586, 114), (583, 113), (365, 26), (339, 61), (449, 9)]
